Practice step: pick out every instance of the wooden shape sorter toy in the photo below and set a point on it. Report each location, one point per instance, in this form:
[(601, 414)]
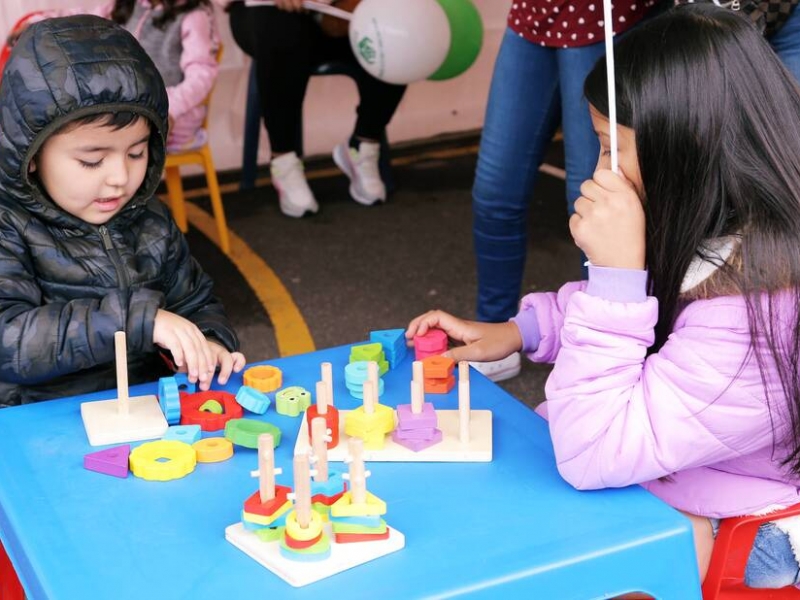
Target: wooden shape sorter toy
[(298, 543), (422, 433), (123, 419)]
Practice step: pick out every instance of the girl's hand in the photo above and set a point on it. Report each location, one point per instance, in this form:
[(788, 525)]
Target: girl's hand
[(609, 223), (227, 361), (482, 341), (189, 347), (290, 5)]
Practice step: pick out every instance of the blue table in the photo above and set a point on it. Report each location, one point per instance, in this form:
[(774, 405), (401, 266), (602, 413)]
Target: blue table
[(511, 527)]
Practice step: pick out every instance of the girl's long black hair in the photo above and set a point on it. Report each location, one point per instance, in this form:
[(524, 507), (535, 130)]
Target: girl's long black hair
[(123, 9), (716, 118)]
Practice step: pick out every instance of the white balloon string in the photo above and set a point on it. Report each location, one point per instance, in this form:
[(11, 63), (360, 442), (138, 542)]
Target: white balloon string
[(310, 5), (610, 82)]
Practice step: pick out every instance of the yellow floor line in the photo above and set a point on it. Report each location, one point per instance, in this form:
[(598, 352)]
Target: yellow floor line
[(291, 330)]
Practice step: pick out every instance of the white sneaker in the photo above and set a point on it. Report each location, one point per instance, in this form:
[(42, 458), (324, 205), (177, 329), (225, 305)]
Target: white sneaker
[(294, 195), (500, 370), (361, 166)]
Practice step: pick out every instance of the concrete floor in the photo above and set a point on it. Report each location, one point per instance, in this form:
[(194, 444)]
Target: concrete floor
[(352, 269)]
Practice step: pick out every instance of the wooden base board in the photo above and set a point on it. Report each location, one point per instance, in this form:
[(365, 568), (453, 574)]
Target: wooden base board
[(450, 449), (105, 425), (343, 556)]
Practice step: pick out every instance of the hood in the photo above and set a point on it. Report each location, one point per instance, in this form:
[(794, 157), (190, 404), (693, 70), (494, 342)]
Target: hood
[(63, 69)]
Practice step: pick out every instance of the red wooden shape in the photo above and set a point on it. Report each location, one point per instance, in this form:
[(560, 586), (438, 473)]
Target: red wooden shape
[(209, 421), (253, 504), (10, 587), (347, 538), (300, 544), (331, 422), (725, 577)]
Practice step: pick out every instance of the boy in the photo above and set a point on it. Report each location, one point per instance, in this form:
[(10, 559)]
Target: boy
[(85, 247)]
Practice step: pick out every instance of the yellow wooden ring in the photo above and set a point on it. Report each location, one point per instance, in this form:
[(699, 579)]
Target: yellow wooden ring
[(296, 532), (181, 460), (264, 378), (213, 449)]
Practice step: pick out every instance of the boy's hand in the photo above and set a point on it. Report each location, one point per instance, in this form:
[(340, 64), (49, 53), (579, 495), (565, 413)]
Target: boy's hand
[(609, 222), (227, 361), (189, 347), (482, 341)]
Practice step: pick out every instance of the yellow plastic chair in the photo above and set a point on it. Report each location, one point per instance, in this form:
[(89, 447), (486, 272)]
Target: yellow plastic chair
[(197, 156)]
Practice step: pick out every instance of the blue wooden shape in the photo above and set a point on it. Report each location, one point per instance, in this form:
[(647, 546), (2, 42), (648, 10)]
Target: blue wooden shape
[(184, 385), (253, 400), (170, 400), (183, 433)]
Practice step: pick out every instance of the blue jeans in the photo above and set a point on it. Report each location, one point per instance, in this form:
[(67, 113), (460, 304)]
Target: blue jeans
[(533, 90), (786, 43), (771, 563)]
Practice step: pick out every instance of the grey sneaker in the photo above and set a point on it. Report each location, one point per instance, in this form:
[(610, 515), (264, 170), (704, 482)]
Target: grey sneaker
[(361, 166), (294, 195), (500, 370)]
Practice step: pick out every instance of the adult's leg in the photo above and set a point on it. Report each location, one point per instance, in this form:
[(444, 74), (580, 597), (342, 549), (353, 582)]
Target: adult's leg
[(282, 45), (521, 116), (786, 43), (378, 100), (581, 147)]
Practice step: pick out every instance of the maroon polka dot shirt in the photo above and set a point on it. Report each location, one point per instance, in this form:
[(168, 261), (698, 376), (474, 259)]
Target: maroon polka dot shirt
[(572, 23)]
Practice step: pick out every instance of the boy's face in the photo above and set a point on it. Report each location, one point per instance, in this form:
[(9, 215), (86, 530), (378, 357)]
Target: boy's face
[(93, 170)]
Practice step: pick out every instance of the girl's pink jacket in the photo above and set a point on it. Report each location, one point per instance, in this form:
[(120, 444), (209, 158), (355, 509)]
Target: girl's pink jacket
[(690, 423), (197, 63)]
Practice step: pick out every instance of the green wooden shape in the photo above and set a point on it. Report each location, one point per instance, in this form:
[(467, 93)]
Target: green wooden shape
[(245, 432), (292, 401), (212, 406)]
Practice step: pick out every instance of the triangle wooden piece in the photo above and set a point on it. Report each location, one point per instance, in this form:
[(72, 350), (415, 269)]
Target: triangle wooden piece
[(111, 461)]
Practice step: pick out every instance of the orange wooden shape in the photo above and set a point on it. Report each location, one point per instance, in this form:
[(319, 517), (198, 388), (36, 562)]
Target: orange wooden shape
[(264, 378), (439, 386), (437, 367), (725, 577)]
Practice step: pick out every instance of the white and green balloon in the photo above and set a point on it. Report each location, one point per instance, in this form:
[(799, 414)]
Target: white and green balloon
[(405, 41)]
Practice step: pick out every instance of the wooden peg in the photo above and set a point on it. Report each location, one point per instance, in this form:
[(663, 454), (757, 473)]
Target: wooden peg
[(369, 397), (358, 479), (327, 377), (322, 398), (373, 376), (463, 402), (318, 434), (266, 467), (121, 352), (302, 489), (417, 396), (417, 373)]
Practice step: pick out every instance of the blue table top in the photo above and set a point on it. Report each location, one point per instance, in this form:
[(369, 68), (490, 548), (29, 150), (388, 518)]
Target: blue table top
[(508, 526)]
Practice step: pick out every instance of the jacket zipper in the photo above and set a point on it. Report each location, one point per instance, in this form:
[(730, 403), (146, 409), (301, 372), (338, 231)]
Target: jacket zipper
[(113, 254)]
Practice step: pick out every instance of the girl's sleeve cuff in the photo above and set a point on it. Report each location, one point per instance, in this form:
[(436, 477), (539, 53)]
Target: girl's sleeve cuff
[(617, 285), (528, 326)]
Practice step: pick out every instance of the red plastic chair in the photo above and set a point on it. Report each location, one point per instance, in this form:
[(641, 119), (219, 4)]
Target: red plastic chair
[(10, 587), (5, 52), (725, 577)]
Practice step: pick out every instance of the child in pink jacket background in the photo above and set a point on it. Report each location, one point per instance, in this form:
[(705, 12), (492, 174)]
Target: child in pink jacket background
[(676, 364), (182, 39)]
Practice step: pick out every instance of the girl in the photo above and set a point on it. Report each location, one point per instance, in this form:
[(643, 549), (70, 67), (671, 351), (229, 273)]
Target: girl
[(182, 40), (676, 364)]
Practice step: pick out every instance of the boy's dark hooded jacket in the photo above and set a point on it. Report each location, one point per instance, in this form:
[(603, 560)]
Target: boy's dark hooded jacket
[(66, 285)]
